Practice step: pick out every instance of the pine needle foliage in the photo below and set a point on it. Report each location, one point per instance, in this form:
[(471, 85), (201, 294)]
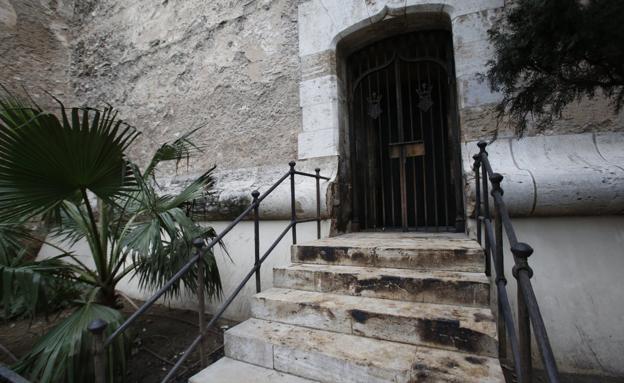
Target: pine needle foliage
[(548, 54)]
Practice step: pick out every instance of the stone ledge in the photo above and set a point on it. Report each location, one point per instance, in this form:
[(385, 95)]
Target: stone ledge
[(231, 194), (576, 174)]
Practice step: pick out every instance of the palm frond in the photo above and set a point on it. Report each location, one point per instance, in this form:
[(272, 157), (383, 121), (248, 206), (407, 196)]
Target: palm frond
[(178, 150), (45, 160), (32, 287), (11, 236), (65, 354), (29, 287), (195, 190), (156, 268)]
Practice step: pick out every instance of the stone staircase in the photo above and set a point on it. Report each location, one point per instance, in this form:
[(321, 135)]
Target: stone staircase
[(369, 307)]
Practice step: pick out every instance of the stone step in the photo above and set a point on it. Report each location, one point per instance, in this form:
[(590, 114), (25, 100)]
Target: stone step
[(333, 357), (227, 370), (444, 287), (456, 328), (452, 252)]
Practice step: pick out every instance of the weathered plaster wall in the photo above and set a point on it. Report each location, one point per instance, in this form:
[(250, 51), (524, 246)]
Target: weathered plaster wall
[(35, 49), (170, 66), (577, 279)]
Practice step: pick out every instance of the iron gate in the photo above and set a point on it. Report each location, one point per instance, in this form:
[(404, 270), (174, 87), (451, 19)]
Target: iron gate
[(403, 130)]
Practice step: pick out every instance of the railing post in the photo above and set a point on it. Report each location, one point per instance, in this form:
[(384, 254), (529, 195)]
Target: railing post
[(293, 207), (256, 217), (201, 309), (521, 252), (499, 265), (486, 203), (318, 203), (476, 167), (97, 328)]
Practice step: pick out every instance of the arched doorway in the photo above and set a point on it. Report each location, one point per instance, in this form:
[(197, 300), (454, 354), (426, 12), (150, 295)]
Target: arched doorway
[(403, 134)]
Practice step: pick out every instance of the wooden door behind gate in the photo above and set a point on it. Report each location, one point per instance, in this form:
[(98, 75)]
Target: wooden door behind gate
[(401, 122)]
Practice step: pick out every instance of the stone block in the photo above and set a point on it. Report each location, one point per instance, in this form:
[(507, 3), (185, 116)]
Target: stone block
[(322, 116), (248, 349), (455, 328), (333, 357), (395, 250), (319, 143), (227, 370), (469, 289), (319, 90)]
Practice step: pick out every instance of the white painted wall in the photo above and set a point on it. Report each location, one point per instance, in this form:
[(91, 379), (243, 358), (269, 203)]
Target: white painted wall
[(577, 264), (240, 245)]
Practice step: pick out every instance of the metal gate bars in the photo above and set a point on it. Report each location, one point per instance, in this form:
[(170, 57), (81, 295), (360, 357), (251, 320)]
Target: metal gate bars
[(403, 134)]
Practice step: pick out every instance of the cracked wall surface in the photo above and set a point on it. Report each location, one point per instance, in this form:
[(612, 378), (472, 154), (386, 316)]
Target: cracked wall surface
[(170, 66), (35, 47)]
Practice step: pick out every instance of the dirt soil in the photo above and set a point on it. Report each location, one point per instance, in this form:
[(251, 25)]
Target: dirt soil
[(160, 337)]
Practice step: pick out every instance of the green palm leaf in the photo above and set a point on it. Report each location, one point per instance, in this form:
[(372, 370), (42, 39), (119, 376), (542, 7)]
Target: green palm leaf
[(181, 148), (45, 160), (28, 287), (65, 354), (32, 285)]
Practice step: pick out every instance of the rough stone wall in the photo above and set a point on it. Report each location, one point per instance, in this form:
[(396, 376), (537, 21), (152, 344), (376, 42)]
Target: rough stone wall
[(35, 47), (173, 65)]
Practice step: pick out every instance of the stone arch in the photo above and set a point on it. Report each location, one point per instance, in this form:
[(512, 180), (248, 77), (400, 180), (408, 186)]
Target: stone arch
[(325, 25), (330, 29)]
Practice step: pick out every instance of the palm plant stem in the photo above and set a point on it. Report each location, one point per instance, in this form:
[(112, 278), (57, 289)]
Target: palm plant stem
[(96, 237)]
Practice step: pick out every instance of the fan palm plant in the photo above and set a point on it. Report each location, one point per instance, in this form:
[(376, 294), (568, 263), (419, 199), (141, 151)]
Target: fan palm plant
[(71, 168)]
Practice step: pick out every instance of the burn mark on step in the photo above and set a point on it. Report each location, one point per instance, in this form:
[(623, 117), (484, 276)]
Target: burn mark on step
[(406, 288), (448, 332), (318, 308), (359, 315), (421, 373), (384, 282), (307, 253), (358, 256), (325, 253), (480, 317), (390, 283), (475, 360), (330, 254)]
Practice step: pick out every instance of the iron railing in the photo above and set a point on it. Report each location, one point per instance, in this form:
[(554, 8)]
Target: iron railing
[(490, 235), (97, 327), (9, 376)]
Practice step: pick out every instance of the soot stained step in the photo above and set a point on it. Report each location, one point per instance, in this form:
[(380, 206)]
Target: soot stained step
[(333, 357), (443, 287), (449, 252), (457, 328)]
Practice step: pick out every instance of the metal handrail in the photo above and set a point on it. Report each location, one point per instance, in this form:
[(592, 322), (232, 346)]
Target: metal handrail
[(9, 376), (529, 315), (97, 327)]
